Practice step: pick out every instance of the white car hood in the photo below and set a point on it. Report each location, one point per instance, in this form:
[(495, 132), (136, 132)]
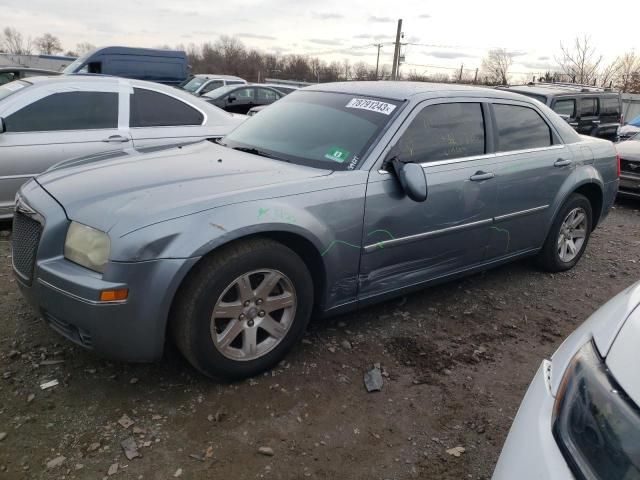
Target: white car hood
[(604, 328), (624, 356)]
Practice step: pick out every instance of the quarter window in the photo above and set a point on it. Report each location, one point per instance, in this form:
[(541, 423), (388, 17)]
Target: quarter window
[(565, 107), (154, 109), (610, 106), (588, 107), (67, 111), (444, 131), (520, 128)]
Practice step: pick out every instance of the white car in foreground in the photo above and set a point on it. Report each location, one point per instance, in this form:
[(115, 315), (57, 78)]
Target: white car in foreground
[(580, 417)]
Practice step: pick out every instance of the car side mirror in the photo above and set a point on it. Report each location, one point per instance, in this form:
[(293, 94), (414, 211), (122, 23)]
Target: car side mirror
[(565, 117), (412, 179), (3, 126), (231, 99)]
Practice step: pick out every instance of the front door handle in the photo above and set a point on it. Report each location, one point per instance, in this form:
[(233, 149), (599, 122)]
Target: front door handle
[(561, 162), (116, 139), (479, 176), (595, 121)]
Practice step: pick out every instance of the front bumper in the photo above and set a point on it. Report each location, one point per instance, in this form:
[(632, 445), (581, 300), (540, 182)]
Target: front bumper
[(629, 185), (530, 451), (67, 295)]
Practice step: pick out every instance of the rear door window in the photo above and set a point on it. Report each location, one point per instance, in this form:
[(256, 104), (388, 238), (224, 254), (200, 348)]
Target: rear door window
[(444, 131), (67, 111), (610, 106), (565, 107), (265, 95), (588, 107), (520, 128), (155, 109)]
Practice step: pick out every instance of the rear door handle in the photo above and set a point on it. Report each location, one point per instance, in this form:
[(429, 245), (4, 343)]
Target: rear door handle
[(479, 176), (595, 121), (116, 139), (561, 162)]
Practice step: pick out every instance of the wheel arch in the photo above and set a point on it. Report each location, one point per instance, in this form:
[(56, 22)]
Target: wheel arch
[(301, 245)]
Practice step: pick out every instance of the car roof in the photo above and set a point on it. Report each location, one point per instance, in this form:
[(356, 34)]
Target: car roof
[(551, 90), (27, 69), (211, 76), (84, 79), (401, 90)]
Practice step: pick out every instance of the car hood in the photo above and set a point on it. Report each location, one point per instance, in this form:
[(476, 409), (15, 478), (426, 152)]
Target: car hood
[(602, 327), (133, 191), (629, 150), (624, 356)]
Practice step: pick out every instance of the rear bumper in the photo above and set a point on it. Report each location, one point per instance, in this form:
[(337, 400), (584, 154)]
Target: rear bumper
[(530, 451), (67, 297)]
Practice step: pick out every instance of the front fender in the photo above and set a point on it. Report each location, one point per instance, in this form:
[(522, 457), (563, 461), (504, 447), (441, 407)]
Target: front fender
[(330, 220)]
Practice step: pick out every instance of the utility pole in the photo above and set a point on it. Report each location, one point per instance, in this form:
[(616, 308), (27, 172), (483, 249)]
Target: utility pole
[(396, 52), (379, 45), (475, 78), (460, 75)]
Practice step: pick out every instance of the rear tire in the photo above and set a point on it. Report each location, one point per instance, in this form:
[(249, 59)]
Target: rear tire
[(569, 234), (242, 309)]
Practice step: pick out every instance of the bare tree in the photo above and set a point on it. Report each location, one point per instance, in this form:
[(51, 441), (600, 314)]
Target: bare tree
[(48, 44), (13, 42), (580, 63), (84, 47), (609, 73), (628, 78), (496, 65)]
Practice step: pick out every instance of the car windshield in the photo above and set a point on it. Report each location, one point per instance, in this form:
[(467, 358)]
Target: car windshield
[(320, 129), (12, 87), (75, 65), (194, 84)]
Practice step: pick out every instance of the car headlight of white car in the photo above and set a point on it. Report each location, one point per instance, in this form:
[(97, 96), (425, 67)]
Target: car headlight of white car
[(596, 425), (87, 246)]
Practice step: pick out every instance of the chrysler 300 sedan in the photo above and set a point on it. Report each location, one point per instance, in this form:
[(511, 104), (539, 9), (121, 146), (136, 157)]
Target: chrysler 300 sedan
[(334, 197), (45, 120)]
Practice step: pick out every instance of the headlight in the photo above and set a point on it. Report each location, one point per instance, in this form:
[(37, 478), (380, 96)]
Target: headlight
[(87, 246), (596, 425)]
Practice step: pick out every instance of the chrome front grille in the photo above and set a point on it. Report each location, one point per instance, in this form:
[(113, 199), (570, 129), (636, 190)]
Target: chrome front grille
[(25, 240)]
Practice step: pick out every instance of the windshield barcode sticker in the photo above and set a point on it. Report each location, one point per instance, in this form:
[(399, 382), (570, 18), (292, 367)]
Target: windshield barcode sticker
[(371, 105)]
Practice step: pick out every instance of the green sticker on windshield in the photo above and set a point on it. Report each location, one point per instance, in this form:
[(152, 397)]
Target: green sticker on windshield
[(337, 154)]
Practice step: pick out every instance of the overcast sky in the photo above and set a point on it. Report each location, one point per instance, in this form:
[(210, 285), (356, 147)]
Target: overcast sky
[(450, 33)]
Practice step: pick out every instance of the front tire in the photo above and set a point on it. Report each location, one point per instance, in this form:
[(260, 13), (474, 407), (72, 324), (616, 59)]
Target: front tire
[(569, 234), (243, 308)]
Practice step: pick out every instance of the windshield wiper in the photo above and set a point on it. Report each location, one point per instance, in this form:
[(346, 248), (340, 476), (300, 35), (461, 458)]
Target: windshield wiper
[(261, 153)]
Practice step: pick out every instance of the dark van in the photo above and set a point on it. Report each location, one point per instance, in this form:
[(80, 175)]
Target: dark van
[(589, 110), (155, 65)]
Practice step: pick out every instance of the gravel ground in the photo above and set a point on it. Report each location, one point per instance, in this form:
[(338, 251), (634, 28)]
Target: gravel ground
[(456, 361)]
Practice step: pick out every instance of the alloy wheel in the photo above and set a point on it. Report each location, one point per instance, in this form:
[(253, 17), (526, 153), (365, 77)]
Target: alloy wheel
[(253, 314), (573, 233)]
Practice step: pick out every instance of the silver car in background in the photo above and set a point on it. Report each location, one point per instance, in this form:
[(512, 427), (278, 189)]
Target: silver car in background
[(45, 120)]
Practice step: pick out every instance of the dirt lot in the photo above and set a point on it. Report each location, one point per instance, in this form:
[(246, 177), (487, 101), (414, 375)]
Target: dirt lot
[(456, 358)]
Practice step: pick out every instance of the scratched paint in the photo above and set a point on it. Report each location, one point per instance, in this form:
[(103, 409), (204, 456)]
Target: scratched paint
[(338, 242), (278, 214), (502, 230)]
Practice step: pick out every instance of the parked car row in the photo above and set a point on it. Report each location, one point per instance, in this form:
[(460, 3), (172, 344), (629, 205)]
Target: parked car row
[(591, 111), (44, 120)]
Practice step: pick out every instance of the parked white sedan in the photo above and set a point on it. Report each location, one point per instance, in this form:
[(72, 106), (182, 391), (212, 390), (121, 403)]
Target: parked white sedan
[(580, 417), (44, 120)]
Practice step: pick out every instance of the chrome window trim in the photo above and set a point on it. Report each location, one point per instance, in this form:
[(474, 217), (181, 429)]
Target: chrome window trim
[(78, 297), (419, 236), (485, 156)]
